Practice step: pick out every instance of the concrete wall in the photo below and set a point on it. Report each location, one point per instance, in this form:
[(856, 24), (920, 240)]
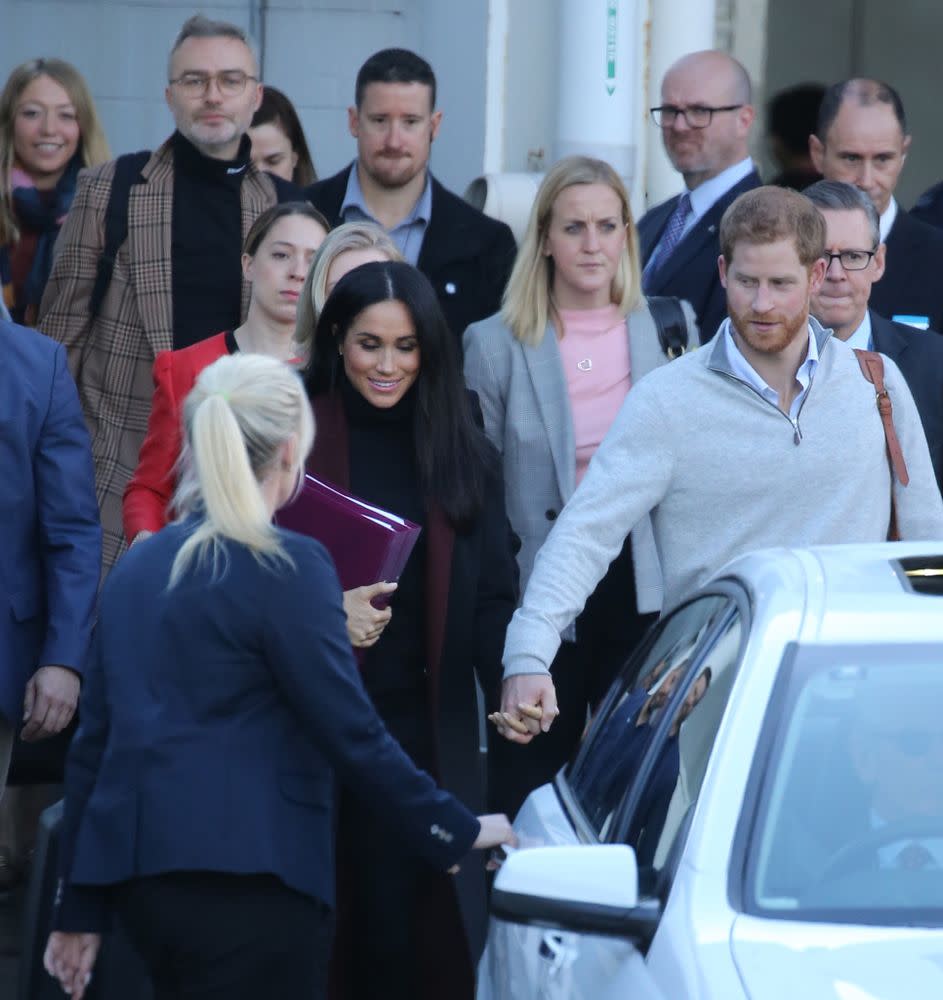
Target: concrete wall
[(897, 42), (312, 50)]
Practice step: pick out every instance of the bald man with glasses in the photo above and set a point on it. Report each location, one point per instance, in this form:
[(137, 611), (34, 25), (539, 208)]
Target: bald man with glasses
[(705, 119)]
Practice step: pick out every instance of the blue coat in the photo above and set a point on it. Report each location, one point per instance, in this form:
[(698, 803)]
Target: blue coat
[(213, 718), (50, 537)]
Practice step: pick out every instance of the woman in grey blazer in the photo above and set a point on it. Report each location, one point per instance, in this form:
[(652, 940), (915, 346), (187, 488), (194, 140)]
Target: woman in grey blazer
[(551, 371)]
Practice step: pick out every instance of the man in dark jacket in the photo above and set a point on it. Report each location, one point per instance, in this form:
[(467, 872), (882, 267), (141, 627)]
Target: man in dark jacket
[(705, 119), (466, 255), (856, 260), (862, 138)]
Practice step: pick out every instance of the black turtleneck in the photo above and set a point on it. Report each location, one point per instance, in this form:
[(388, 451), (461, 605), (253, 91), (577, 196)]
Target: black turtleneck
[(206, 242), (384, 472)]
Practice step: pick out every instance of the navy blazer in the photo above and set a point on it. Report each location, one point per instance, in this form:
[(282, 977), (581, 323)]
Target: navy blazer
[(466, 255), (928, 207), (911, 282), (690, 272), (213, 718), (50, 536), (919, 356)]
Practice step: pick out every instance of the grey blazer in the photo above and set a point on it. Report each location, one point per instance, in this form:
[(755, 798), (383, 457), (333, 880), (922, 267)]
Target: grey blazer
[(526, 406)]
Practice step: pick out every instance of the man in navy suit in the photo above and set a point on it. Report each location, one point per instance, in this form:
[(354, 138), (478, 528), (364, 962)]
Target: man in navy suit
[(705, 119), (861, 138), (856, 260), (50, 539), (465, 254)]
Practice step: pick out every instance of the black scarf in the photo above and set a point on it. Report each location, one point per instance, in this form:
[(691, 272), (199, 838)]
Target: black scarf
[(43, 215)]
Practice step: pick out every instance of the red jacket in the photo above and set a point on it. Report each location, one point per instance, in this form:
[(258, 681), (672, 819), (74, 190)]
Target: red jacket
[(149, 492)]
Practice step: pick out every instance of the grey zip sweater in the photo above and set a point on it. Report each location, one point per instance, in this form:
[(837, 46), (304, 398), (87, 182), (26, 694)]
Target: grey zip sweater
[(724, 472)]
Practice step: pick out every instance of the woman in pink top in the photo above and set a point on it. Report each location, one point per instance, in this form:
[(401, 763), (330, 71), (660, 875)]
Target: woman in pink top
[(551, 371)]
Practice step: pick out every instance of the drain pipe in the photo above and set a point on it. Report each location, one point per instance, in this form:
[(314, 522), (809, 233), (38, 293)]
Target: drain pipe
[(598, 97)]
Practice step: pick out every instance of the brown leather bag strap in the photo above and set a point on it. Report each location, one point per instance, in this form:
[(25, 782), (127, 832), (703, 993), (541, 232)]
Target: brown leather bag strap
[(872, 367)]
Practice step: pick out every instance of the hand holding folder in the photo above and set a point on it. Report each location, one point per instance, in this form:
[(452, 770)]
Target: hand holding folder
[(368, 544)]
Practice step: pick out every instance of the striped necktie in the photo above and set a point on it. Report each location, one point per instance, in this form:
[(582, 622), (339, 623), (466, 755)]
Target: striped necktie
[(669, 240)]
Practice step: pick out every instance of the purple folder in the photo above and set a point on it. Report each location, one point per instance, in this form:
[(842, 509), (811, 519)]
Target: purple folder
[(368, 544)]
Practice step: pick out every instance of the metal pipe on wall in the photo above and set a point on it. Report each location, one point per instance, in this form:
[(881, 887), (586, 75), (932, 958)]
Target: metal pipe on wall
[(676, 28), (598, 82)]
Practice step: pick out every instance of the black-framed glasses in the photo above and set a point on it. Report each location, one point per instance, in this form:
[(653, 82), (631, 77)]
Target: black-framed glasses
[(231, 82), (697, 116), (850, 260)]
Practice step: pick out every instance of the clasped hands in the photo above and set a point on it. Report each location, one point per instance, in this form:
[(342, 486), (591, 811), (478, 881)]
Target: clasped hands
[(528, 707)]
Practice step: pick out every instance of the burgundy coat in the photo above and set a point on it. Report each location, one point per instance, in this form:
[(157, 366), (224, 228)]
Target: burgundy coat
[(471, 594)]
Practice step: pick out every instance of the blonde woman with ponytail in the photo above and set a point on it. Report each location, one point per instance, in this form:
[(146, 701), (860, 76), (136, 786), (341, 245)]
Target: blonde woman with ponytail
[(215, 709)]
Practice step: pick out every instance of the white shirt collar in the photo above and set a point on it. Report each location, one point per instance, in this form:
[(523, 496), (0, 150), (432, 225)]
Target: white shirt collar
[(747, 373), (887, 219), (705, 195), (861, 338)]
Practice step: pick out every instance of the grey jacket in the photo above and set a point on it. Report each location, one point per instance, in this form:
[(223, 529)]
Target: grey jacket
[(739, 478), (526, 406)]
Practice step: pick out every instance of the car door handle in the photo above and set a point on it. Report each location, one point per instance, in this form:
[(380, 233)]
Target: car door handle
[(555, 950)]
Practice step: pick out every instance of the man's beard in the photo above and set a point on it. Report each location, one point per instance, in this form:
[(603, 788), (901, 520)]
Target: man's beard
[(776, 340)]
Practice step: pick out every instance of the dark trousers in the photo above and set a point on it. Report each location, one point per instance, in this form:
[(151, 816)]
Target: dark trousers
[(383, 888), (607, 632), (215, 936)]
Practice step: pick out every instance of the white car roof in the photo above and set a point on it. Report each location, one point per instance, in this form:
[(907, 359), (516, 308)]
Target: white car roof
[(849, 593)]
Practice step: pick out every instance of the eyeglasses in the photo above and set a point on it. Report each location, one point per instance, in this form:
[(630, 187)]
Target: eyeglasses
[(697, 116), (851, 260), (231, 82)]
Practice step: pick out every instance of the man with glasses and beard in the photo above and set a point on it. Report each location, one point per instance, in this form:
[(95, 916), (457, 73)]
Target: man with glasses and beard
[(788, 449), (177, 275), (705, 119)]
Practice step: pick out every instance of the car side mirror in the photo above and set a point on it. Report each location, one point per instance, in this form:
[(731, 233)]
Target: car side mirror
[(591, 889)]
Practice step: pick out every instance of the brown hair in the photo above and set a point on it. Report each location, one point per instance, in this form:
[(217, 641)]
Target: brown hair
[(768, 214), (264, 223)]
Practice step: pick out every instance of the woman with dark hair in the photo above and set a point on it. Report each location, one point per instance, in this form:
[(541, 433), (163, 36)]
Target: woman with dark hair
[(397, 428), (278, 140)]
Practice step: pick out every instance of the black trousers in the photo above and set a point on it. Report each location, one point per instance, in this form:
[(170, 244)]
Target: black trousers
[(216, 936), (606, 633), (383, 882)]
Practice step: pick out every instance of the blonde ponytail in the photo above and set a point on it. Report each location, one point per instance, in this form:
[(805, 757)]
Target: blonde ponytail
[(239, 413)]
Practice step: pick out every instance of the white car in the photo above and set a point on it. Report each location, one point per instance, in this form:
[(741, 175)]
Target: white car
[(757, 808)]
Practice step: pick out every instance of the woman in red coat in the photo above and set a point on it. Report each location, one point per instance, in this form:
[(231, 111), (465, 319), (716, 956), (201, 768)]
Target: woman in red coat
[(276, 257)]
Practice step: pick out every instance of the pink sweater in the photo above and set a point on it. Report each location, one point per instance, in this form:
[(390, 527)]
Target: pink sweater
[(595, 354)]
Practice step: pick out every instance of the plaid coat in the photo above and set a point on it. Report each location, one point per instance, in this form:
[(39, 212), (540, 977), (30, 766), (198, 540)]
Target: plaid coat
[(111, 358)]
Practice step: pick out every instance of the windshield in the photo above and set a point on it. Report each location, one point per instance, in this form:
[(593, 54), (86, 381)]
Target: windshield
[(850, 824)]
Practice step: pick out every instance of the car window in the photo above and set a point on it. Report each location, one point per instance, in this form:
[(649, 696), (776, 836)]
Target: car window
[(850, 824), (657, 819), (616, 747)]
